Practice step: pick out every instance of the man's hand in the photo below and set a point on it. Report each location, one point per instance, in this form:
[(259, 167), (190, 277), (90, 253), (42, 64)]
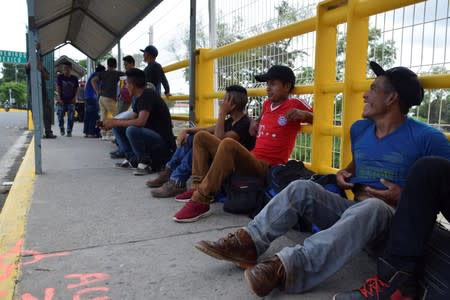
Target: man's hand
[(297, 114), (342, 177), (391, 196), (182, 137), (168, 94), (226, 106), (253, 128), (108, 124)]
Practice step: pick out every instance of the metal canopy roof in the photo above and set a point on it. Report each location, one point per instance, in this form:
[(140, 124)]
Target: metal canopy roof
[(91, 26)]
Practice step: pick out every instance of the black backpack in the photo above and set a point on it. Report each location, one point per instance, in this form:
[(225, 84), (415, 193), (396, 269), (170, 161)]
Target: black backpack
[(244, 194), (279, 176)]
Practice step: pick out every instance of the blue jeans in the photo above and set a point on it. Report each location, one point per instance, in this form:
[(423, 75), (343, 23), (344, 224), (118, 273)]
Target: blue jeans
[(141, 145), (91, 109), (181, 162), (61, 109), (347, 227)]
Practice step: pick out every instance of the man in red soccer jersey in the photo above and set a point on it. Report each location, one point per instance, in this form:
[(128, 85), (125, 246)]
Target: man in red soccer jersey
[(275, 131)]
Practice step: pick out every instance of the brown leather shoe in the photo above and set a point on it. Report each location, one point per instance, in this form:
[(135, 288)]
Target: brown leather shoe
[(168, 189), (265, 276), (237, 247), (162, 178)]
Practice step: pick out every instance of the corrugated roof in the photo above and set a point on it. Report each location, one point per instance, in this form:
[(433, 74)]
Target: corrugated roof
[(91, 26)]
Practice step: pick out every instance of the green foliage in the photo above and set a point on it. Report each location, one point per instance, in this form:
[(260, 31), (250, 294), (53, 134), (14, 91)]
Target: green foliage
[(9, 73), (435, 107), (18, 92)]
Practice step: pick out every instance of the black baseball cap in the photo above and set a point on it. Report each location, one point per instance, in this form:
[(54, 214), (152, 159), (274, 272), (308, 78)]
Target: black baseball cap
[(405, 82), (150, 49), (279, 72)]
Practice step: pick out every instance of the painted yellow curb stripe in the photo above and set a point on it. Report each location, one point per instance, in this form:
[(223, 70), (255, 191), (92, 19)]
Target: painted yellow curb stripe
[(12, 223)]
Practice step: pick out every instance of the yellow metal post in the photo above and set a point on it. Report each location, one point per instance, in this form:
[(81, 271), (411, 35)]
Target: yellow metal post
[(204, 85), (355, 70), (325, 74)]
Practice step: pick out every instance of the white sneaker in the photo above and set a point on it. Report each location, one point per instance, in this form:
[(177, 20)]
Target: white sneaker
[(125, 164), (142, 169)]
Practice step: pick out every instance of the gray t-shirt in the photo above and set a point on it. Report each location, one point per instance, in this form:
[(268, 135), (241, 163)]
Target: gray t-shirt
[(109, 80)]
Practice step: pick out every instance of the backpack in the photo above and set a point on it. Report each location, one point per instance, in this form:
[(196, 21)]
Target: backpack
[(244, 194), (279, 176)]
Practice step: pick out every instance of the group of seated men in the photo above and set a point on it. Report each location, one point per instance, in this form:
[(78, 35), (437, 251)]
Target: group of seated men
[(391, 155)]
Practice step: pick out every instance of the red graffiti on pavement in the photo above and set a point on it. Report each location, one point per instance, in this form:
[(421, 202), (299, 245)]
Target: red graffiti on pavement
[(48, 295), (38, 256)]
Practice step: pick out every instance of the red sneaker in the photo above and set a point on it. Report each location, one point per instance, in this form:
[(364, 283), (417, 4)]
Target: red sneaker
[(191, 212), (185, 196)]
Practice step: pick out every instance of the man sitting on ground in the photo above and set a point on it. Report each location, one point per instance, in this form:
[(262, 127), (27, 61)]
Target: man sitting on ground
[(384, 146), (232, 122), (426, 193), (146, 137), (278, 126)]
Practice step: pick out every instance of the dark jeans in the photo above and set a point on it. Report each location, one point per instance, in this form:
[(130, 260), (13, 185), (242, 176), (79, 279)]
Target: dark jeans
[(426, 193), (181, 162), (61, 109), (91, 116), (142, 145), (47, 115)]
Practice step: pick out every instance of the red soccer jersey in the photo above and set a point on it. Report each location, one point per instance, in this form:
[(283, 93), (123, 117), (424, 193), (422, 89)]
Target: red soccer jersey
[(276, 135)]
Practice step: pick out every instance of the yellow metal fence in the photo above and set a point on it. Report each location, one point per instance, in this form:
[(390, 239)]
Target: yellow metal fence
[(328, 139)]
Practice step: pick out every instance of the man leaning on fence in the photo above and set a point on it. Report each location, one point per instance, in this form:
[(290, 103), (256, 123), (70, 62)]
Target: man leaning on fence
[(384, 146), (277, 126)]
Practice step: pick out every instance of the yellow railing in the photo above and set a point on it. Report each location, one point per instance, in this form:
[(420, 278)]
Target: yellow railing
[(330, 13)]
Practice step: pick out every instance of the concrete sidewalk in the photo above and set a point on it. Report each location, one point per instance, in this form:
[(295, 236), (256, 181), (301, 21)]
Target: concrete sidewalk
[(93, 230)]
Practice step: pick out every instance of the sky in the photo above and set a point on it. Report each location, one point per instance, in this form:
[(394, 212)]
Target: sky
[(417, 52)]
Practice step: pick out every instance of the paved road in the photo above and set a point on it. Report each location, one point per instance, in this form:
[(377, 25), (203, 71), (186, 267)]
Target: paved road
[(13, 139)]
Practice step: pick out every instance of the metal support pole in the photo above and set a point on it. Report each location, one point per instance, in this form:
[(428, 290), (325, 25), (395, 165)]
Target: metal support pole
[(36, 90), (192, 63), (119, 57)]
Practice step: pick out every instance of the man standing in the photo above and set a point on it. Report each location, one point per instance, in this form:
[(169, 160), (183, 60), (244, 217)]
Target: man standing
[(146, 137), (108, 92), (46, 105), (154, 74), (67, 90), (384, 145)]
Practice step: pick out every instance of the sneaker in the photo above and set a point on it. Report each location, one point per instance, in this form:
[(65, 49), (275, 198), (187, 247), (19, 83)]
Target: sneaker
[(388, 284), (62, 131), (162, 178), (125, 164), (116, 154), (191, 212), (185, 196), (142, 169), (69, 134), (169, 189)]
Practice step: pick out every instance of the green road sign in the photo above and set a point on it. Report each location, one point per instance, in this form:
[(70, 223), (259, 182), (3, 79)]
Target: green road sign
[(13, 57)]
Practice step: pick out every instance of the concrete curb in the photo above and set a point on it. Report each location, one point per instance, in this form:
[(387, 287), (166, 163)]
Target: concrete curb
[(13, 222)]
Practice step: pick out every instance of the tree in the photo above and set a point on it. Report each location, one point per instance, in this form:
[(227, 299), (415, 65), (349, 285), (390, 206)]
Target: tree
[(9, 72), (18, 92), (263, 57), (435, 108)]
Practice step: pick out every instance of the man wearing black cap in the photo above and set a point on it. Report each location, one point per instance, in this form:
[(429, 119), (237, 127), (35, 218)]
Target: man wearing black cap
[(275, 131), (154, 74), (384, 145)]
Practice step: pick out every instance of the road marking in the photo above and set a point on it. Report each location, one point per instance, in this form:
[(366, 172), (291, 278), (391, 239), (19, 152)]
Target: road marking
[(13, 219)]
